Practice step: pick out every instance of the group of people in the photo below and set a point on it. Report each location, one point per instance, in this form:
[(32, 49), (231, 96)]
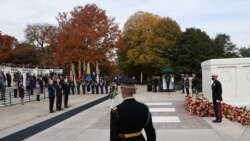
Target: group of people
[(185, 84), (154, 84)]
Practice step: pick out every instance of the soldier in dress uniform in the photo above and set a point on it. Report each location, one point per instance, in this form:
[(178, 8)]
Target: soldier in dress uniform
[(66, 89), (51, 91), (194, 85), (58, 88), (130, 117), (217, 98)]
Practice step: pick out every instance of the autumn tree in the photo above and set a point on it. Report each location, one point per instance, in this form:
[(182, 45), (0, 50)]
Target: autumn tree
[(25, 53), (40, 35), (148, 40), (7, 43), (86, 34)]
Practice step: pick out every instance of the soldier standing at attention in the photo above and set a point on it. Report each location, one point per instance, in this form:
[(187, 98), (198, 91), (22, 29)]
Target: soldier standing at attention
[(217, 98), (51, 91), (130, 117), (66, 89), (187, 85)]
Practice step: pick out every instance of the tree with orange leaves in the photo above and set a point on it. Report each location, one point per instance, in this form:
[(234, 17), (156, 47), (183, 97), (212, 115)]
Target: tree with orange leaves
[(86, 34), (7, 43)]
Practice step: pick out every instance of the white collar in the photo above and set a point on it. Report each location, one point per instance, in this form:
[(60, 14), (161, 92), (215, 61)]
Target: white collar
[(128, 98)]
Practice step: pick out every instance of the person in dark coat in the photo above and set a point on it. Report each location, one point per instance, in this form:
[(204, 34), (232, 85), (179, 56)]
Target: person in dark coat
[(149, 84), (101, 85), (21, 92), (106, 86), (66, 90), (187, 85), (41, 85), (83, 86), (58, 95), (51, 91), (129, 118), (92, 86), (96, 87), (78, 84), (217, 98), (8, 76), (167, 78), (72, 85)]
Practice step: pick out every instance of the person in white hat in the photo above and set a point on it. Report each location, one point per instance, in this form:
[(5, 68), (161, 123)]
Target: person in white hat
[(217, 98)]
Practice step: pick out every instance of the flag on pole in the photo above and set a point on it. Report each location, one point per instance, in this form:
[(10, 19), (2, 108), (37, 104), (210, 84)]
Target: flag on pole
[(97, 71), (88, 68), (84, 66), (79, 71)]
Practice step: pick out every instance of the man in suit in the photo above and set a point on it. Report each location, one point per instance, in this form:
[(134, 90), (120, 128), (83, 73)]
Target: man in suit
[(130, 117), (217, 98), (51, 91)]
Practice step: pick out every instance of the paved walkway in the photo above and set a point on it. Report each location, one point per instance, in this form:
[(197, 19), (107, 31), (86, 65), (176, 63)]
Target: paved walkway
[(171, 121)]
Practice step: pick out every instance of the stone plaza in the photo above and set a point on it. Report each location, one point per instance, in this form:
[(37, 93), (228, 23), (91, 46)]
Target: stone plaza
[(87, 118)]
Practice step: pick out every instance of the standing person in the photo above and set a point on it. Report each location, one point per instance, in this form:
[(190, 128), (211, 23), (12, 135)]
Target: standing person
[(51, 91), (97, 87), (129, 118), (66, 89), (93, 87), (41, 85), (58, 95), (168, 78), (16, 84), (2, 85), (21, 92), (106, 86), (72, 85), (88, 86), (101, 85), (27, 84), (187, 85), (8, 76), (155, 83), (149, 85), (32, 84), (182, 83), (78, 84), (194, 85), (217, 98), (83, 86)]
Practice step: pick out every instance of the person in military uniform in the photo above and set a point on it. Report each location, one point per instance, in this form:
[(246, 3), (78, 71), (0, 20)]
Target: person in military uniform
[(101, 85), (106, 84), (217, 98), (182, 83), (130, 117), (168, 78), (58, 89), (78, 84), (92, 86), (96, 87), (187, 85)]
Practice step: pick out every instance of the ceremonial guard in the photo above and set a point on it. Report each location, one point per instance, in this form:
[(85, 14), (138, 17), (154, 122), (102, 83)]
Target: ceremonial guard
[(187, 85), (96, 87), (93, 87), (84, 86), (51, 91), (168, 78), (217, 98), (183, 83), (66, 89), (40, 81), (149, 85), (101, 85), (88, 86), (129, 118)]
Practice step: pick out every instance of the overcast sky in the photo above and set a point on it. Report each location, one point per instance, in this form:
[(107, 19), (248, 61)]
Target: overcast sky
[(212, 16)]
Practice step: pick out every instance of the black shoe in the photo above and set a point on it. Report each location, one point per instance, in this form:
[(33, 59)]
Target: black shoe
[(51, 111), (216, 121)]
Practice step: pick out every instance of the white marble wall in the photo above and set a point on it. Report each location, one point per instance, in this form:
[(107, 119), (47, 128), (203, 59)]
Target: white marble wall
[(234, 75)]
